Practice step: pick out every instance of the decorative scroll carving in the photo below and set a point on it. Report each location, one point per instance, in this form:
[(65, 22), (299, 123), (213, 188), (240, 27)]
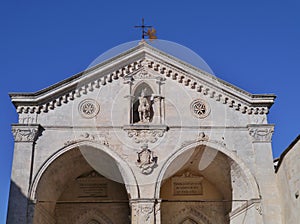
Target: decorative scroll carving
[(261, 133), (101, 139), (146, 161), (27, 133), (88, 108), (145, 136)]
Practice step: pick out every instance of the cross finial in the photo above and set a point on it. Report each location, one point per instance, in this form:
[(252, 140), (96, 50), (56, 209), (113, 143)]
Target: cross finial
[(147, 31)]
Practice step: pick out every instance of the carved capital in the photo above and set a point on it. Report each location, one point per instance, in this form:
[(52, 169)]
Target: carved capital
[(261, 133), (142, 210), (26, 133)]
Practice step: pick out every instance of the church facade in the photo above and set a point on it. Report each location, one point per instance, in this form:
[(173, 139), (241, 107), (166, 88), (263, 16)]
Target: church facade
[(143, 138)]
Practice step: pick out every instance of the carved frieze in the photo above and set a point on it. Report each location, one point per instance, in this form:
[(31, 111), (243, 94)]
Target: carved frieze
[(145, 136), (26, 133), (261, 133), (99, 138)]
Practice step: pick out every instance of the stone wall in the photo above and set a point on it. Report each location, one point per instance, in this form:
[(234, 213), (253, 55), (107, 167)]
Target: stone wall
[(288, 178)]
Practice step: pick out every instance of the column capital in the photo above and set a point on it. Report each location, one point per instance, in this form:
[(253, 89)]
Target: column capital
[(261, 132), (145, 210), (26, 132)]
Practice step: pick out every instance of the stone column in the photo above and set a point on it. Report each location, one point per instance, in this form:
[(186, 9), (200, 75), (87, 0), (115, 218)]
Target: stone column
[(25, 137), (261, 135), (145, 211)]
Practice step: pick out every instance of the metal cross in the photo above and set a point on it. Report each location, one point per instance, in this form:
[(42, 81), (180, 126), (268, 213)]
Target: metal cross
[(143, 26)]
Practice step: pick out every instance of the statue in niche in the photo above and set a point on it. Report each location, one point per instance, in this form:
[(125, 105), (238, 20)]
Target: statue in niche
[(144, 107)]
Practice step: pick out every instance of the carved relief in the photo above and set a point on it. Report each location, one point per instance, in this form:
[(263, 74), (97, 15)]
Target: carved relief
[(200, 108), (261, 133), (202, 137), (25, 133), (101, 139), (145, 136), (91, 215), (88, 108), (190, 213), (142, 212), (146, 161)]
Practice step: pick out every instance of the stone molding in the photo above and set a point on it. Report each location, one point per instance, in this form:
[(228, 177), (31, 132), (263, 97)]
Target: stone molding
[(26, 133), (145, 133), (261, 133), (238, 100)]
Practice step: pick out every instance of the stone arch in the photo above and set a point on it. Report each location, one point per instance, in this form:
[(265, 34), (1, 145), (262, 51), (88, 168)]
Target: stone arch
[(191, 214), (125, 170), (92, 217), (237, 163), (64, 169), (226, 183)]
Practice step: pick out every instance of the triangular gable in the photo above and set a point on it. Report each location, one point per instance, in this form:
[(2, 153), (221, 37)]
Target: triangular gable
[(129, 64)]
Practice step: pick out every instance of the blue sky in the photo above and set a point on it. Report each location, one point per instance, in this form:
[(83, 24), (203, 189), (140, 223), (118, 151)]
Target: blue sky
[(251, 44)]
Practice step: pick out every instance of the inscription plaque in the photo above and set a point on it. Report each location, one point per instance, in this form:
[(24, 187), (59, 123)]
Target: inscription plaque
[(92, 187), (93, 190), (187, 186)]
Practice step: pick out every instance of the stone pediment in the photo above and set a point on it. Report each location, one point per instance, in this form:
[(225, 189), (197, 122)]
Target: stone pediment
[(141, 62)]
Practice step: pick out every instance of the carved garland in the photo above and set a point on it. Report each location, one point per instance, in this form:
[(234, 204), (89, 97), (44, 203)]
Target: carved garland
[(163, 69)]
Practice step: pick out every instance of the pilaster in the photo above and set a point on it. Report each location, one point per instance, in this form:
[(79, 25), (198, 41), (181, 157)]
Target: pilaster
[(261, 135), (25, 136)]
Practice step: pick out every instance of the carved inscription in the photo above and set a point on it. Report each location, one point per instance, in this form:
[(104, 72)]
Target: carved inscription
[(187, 185), (89, 189), (92, 185)]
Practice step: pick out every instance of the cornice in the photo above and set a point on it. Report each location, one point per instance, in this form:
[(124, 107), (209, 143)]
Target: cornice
[(130, 62)]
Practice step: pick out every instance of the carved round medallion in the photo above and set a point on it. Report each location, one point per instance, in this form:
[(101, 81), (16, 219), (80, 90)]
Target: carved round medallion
[(200, 108), (88, 108)]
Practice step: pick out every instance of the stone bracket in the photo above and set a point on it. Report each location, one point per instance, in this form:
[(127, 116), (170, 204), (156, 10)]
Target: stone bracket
[(145, 133)]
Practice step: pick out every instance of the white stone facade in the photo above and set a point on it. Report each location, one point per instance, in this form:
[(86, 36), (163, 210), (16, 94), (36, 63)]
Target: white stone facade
[(143, 138)]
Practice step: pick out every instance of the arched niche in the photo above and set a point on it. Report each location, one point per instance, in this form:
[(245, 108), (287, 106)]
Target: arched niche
[(142, 104), (59, 187), (204, 177)]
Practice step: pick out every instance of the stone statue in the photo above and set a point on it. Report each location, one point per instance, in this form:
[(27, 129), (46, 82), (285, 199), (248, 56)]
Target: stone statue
[(144, 107)]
